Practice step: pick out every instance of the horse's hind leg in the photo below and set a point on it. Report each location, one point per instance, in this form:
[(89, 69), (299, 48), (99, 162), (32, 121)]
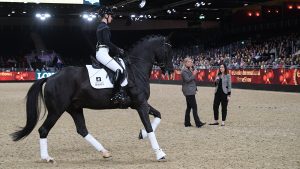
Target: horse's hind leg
[(44, 131), (78, 117), (157, 117)]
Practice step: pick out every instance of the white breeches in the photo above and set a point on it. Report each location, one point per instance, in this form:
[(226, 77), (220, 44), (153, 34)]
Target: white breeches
[(104, 58)]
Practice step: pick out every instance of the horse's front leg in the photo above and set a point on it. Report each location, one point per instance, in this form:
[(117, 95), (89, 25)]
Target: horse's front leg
[(143, 111), (154, 123)]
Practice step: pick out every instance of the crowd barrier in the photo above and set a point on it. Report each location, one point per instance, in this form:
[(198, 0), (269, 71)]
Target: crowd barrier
[(24, 75), (248, 76)]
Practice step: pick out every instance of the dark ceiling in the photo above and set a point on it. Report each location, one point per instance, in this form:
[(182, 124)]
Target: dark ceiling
[(185, 9), (157, 9)]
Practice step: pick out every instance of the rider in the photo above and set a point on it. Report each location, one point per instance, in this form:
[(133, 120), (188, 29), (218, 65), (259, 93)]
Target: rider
[(104, 45)]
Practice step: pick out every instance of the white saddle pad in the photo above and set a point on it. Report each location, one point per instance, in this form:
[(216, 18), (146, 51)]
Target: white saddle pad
[(99, 78)]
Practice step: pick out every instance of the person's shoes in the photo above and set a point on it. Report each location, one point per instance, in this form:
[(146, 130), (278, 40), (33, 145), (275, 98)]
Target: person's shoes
[(222, 124), (189, 125), (216, 123), (200, 125)]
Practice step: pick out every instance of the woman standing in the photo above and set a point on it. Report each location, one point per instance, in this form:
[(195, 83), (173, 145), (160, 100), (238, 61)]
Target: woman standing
[(189, 89), (222, 94)]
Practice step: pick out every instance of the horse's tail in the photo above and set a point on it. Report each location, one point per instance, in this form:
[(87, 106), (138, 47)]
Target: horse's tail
[(33, 109)]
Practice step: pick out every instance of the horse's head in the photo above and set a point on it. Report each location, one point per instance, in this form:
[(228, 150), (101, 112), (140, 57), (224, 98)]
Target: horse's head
[(153, 50), (163, 56)]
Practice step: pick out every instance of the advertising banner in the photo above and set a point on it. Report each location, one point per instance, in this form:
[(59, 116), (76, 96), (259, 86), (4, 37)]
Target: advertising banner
[(254, 76), (17, 76), (251, 76)]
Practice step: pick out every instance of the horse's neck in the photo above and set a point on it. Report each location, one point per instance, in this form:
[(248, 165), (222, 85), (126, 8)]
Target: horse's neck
[(141, 69), (139, 74), (141, 61)]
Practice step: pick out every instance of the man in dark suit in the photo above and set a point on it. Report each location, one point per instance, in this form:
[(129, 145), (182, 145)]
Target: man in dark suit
[(189, 89)]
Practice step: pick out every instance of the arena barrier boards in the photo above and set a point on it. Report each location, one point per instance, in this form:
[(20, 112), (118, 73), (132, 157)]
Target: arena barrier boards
[(249, 76), (24, 76), (261, 79)]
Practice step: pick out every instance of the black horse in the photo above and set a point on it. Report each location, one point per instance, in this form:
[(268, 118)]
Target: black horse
[(70, 90)]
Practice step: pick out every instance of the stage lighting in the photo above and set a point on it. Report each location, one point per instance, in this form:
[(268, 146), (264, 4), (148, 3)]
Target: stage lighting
[(42, 16), (142, 3), (88, 16)]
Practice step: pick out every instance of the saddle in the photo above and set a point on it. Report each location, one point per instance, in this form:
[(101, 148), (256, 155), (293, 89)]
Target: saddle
[(111, 74)]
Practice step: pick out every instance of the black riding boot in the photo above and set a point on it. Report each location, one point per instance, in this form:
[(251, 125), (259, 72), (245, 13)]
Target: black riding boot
[(120, 96)]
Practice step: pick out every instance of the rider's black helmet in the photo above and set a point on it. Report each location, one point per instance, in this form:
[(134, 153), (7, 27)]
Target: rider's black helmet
[(105, 10)]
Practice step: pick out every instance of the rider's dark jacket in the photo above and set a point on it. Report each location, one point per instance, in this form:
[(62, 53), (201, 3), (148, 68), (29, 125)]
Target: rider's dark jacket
[(103, 37)]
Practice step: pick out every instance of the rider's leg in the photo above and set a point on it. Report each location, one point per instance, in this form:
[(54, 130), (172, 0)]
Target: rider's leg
[(104, 58)]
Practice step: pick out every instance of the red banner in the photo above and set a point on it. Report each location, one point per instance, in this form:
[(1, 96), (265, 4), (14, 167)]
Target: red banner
[(17, 76), (256, 76)]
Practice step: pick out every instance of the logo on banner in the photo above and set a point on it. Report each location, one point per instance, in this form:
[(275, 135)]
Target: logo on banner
[(297, 76), (40, 75)]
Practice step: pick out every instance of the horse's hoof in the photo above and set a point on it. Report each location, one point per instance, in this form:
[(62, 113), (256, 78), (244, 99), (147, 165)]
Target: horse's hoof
[(160, 155), (162, 159), (106, 154), (140, 135), (49, 160)]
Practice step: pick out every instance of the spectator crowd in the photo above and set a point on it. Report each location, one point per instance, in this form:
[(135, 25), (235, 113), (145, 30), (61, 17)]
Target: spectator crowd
[(276, 52), (283, 51)]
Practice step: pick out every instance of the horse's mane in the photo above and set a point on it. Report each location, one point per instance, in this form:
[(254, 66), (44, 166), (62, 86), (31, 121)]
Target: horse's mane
[(143, 41)]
